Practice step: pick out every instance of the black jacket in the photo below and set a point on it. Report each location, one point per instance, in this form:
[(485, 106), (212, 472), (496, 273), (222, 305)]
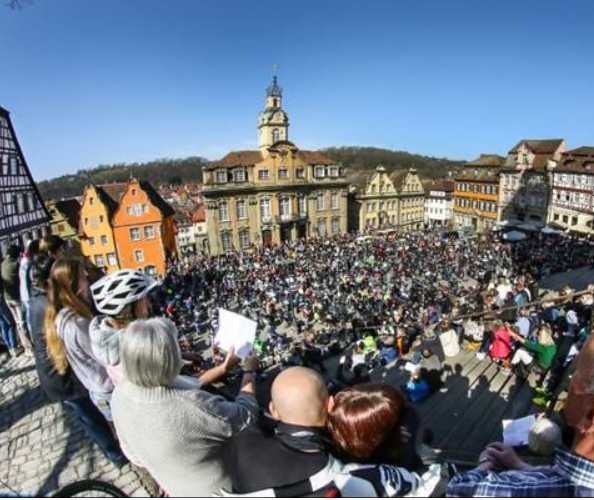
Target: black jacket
[(280, 460)]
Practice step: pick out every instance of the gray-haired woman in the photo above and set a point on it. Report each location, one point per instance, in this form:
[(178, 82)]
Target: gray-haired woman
[(165, 422)]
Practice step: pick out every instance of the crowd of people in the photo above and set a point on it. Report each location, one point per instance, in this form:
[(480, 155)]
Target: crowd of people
[(136, 362)]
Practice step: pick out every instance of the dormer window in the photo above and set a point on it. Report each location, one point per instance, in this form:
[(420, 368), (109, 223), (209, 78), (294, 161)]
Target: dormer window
[(299, 173), (239, 175), (221, 176), (333, 171), (319, 172)]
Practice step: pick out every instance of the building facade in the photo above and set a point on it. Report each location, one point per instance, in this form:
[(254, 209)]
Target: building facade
[(526, 180), (126, 225), (391, 201), (476, 193), (439, 204), (65, 218), (144, 229), (23, 216), (184, 239), (274, 194), (572, 200), (97, 240), (200, 228)]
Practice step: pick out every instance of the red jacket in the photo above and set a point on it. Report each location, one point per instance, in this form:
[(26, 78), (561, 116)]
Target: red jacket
[(501, 345)]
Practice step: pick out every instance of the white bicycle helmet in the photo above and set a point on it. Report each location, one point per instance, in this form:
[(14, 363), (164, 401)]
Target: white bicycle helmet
[(116, 290)]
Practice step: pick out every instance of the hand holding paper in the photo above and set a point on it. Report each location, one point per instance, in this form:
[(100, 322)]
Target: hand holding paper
[(235, 331)]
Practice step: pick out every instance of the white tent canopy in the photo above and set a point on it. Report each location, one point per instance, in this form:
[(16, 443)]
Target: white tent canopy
[(527, 226), (550, 230), (514, 236)]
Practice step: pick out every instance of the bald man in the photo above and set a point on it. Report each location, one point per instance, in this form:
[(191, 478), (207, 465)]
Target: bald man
[(287, 455), (299, 397)]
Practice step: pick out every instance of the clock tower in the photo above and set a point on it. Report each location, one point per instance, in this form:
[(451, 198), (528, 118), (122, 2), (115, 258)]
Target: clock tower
[(273, 122)]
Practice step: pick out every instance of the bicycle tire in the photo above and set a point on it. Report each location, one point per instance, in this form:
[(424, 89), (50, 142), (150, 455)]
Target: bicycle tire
[(89, 485)]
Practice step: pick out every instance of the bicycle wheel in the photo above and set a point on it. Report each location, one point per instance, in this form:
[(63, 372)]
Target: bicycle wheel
[(89, 488)]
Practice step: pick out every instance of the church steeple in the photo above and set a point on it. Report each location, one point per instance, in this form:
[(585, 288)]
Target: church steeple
[(273, 122)]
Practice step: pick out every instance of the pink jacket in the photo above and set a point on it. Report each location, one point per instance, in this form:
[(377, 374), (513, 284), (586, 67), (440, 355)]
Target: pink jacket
[(501, 344)]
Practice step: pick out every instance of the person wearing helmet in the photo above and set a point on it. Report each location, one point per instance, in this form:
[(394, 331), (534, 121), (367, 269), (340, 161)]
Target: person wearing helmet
[(120, 297)]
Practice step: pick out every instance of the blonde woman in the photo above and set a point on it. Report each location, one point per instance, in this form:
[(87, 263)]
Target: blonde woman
[(544, 349), (66, 324)]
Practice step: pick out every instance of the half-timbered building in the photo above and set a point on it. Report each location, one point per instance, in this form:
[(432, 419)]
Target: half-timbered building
[(23, 215)]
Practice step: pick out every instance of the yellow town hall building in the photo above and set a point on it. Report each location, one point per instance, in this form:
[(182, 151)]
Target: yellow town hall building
[(274, 194)]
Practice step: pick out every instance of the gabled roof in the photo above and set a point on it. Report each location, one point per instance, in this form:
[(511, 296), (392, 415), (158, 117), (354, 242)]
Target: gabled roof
[(110, 194), (579, 160), (397, 179), (539, 146), (164, 207), (70, 209)]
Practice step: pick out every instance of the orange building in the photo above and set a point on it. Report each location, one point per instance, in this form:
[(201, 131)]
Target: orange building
[(476, 193), (144, 229), (96, 234)]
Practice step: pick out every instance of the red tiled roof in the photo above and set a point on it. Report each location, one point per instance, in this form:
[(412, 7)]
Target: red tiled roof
[(539, 146), (581, 151), (199, 214), (580, 160), (441, 185), (238, 159), (315, 158)]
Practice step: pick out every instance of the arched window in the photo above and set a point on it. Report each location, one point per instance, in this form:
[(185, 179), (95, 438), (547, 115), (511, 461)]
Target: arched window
[(275, 135)]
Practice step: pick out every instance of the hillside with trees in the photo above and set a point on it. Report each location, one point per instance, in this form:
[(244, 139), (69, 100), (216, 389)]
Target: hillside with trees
[(359, 161), (162, 171)]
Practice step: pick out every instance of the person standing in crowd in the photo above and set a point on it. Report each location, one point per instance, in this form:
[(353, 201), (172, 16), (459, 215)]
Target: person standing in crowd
[(290, 455), (10, 285), (6, 327), (53, 245), (66, 324), (166, 423), (121, 297), (31, 250), (65, 388)]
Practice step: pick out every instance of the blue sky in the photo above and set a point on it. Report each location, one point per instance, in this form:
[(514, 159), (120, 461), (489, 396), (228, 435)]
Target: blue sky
[(91, 82)]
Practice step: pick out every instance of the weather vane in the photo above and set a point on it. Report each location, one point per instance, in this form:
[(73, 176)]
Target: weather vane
[(274, 69)]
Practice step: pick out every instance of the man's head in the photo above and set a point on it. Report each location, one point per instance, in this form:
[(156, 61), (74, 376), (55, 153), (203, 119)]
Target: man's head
[(299, 396)]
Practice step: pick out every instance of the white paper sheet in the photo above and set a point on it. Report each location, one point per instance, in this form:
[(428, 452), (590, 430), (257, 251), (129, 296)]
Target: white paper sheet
[(515, 432), (235, 331)]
